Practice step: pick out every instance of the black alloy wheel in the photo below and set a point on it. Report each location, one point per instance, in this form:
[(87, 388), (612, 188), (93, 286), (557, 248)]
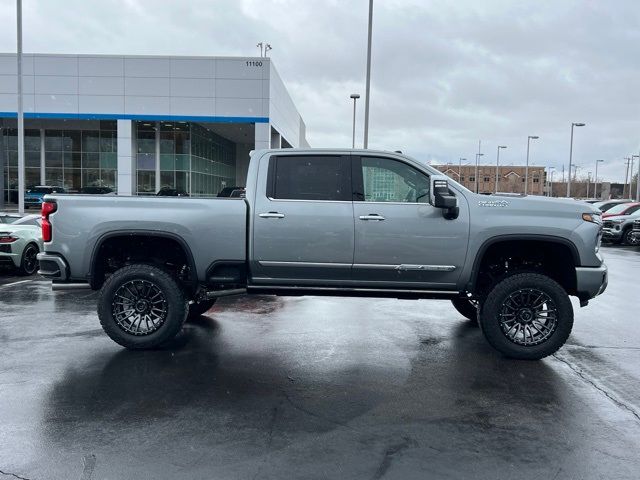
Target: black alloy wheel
[(29, 262)]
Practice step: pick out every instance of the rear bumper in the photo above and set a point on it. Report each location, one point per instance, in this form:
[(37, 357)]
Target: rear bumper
[(53, 266), (9, 258), (591, 281)]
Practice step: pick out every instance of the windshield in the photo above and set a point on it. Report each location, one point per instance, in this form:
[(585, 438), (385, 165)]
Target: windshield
[(618, 209)]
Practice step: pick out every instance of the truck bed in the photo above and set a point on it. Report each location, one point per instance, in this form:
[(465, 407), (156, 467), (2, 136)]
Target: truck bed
[(213, 228)]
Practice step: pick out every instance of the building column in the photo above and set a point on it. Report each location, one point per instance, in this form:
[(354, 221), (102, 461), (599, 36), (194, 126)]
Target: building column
[(276, 139), (126, 158), (43, 177), (2, 155), (262, 136), (157, 155)]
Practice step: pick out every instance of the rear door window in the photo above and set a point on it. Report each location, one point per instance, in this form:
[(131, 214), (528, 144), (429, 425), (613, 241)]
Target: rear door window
[(310, 177)]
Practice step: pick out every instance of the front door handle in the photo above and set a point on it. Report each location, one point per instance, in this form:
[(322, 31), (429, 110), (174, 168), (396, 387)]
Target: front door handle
[(271, 215), (372, 216)]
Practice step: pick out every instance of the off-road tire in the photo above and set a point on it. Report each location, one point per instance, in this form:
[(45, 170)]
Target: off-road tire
[(197, 309), (492, 308), (466, 308), (176, 306), (27, 266)]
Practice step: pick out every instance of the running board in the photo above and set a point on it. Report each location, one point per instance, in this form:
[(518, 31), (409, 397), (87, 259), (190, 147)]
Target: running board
[(224, 293), (56, 286), (352, 292)]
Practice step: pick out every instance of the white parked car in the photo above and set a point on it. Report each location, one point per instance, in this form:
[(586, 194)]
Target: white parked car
[(20, 242)]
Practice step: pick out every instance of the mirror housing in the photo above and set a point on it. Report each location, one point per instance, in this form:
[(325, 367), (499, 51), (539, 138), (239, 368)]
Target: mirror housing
[(441, 197)]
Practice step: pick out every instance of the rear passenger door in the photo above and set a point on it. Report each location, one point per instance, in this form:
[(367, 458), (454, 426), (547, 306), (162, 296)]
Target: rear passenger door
[(303, 222)]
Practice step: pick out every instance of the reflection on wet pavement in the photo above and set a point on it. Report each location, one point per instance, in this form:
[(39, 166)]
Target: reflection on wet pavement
[(314, 387)]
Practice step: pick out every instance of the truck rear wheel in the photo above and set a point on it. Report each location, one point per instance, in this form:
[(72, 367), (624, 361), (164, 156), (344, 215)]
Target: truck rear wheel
[(467, 308), (527, 316), (200, 308), (141, 306)]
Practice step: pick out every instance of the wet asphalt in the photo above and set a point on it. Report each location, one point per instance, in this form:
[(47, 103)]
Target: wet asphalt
[(315, 387)]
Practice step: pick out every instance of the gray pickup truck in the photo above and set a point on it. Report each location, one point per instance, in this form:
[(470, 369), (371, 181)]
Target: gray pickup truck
[(331, 222)]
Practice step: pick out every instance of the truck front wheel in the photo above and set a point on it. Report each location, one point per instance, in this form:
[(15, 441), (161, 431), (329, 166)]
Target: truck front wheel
[(141, 306), (527, 316)]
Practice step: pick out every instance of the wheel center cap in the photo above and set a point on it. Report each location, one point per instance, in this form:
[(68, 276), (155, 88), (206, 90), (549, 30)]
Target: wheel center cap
[(525, 315), (142, 306)]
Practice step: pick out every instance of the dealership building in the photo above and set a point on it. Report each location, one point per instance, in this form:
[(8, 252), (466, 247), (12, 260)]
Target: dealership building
[(137, 124)]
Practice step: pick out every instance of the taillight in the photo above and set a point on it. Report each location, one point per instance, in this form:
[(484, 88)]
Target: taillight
[(47, 209), (7, 239)]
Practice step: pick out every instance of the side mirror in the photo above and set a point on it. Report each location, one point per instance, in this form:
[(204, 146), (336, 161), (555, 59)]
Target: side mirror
[(441, 197)]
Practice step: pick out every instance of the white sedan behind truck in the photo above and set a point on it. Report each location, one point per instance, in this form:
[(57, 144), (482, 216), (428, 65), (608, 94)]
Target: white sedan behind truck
[(20, 242)]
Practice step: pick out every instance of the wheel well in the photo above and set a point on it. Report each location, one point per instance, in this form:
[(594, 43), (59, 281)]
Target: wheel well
[(166, 253), (503, 258)]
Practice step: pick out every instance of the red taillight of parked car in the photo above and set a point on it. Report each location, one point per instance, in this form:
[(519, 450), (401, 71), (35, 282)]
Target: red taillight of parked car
[(7, 239), (47, 209)]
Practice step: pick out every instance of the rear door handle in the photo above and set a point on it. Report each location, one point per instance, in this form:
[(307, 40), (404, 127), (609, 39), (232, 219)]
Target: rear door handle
[(372, 216), (271, 215)]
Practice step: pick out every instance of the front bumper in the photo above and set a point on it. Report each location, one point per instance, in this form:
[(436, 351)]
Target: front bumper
[(53, 266), (591, 281), (611, 234)]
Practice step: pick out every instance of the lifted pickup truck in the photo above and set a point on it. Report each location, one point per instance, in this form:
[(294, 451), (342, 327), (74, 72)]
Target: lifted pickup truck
[(331, 222)]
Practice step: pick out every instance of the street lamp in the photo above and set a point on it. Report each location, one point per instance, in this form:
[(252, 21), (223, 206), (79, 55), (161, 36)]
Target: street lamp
[(526, 168), (595, 180), (498, 164), (478, 155), (588, 183), (552, 170), (21, 171), (355, 97), (626, 176), (631, 176), (460, 167), (574, 124), (368, 83)]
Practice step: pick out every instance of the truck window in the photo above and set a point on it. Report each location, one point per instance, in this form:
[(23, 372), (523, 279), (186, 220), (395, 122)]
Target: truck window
[(387, 180), (311, 177)]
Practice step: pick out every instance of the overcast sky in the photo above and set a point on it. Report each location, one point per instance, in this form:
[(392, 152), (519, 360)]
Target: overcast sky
[(444, 73)]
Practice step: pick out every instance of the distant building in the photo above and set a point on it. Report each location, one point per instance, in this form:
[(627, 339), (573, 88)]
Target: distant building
[(137, 124), (511, 178)]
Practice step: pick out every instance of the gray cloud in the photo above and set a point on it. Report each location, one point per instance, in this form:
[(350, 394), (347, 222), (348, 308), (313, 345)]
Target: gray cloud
[(445, 74)]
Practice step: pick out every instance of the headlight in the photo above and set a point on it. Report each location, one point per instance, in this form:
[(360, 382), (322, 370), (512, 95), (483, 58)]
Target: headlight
[(592, 217)]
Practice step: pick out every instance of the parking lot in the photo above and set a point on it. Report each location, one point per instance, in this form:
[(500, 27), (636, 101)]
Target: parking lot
[(315, 387)]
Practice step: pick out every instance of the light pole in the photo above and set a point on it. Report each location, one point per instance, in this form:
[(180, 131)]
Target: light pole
[(20, 113), (460, 167), (638, 181), (552, 170), (526, 168), (368, 86), (588, 183), (595, 180), (574, 124), (626, 176), (631, 177), (478, 155), (355, 97), (498, 164)]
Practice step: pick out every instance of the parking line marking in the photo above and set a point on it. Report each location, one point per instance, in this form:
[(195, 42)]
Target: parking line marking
[(16, 283)]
